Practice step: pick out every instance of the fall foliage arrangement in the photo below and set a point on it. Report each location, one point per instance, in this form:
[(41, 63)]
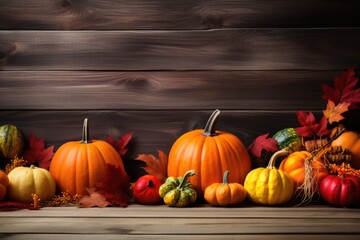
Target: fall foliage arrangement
[(318, 160)]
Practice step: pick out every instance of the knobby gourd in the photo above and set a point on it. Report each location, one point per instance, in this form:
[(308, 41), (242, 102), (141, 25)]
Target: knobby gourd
[(178, 192)]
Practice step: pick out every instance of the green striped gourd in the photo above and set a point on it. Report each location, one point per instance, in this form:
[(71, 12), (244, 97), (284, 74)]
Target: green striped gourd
[(11, 141), (290, 139)]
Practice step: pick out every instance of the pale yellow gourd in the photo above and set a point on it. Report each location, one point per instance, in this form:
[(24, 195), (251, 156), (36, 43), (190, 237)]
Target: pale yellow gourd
[(24, 181)]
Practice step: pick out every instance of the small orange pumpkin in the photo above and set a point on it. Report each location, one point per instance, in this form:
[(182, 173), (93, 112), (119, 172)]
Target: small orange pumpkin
[(225, 194), (306, 171), (350, 140), (209, 153), (4, 182), (78, 165)]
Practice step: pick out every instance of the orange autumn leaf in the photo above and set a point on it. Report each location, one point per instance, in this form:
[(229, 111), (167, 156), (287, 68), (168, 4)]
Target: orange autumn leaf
[(333, 113), (155, 166)]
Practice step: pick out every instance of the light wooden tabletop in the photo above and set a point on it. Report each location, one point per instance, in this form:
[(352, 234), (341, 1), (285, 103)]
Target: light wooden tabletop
[(198, 222)]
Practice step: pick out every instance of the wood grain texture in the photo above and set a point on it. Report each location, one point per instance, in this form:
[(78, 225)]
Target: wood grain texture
[(153, 129), (179, 226), (177, 14), (230, 49), (163, 220), (91, 90), (42, 236)]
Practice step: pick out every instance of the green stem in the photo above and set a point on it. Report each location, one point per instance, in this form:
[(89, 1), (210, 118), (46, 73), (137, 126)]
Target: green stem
[(209, 129), (282, 152), (184, 179), (225, 177), (85, 133)]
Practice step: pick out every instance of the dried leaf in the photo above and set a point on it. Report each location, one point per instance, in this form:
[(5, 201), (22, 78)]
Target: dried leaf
[(12, 206), (94, 199), (37, 152), (333, 113), (116, 187), (155, 166), (309, 126), (261, 143), (121, 144), (344, 89)]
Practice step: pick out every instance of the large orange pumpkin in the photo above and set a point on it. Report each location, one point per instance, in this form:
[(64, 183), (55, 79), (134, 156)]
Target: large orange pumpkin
[(78, 165), (350, 140), (210, 153)]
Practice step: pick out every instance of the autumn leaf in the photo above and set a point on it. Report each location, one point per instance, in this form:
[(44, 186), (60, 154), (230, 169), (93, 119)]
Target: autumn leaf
[(115, 188), (121, 144), (261, 143), (12, 206), (94, 199), (155, 166), (37, 153), (333, 113), (309, 126), (344, 90)]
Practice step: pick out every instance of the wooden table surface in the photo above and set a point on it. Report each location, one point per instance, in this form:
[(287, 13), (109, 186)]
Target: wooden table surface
[(199, 222)]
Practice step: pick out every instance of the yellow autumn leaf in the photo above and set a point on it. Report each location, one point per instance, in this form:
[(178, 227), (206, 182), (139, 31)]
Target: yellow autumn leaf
[(333, 113)]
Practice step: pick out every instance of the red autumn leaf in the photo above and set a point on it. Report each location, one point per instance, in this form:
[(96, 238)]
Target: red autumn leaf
[(12, 206), (94, 199), (344, 89), (261, 143), (121, 144), (116, 187), (309, 125), (37, 153), (155, 166), (333, 113)]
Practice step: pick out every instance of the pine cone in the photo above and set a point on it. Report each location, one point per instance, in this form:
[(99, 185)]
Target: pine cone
[(337, 155)]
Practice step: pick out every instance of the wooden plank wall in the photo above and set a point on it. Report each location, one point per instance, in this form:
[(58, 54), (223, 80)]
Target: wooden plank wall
[(160, 68)]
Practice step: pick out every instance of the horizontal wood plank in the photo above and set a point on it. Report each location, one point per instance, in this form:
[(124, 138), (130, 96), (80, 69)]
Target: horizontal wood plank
[(178, 226), (153, 129), (198, 211), (225, 49), (42, 236), (198, 222), (89, 90), (179, 14)]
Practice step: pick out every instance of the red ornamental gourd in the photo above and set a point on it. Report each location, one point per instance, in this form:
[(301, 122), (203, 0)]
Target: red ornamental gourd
[(78, 165), (146, 190), (210, 153), (341, 191)]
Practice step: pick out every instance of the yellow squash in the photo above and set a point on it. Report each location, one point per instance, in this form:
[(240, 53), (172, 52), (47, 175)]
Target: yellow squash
[(269, 186)]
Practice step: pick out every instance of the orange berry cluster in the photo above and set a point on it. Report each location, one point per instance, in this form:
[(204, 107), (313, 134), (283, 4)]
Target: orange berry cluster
[(15, 162), (344, 169), (64, 199)]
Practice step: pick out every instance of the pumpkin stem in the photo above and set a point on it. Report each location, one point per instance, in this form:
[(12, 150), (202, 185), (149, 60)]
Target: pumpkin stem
[(32, 166), (282, 152), (85, 133), (225, 177), (184, 179), (209, 129)]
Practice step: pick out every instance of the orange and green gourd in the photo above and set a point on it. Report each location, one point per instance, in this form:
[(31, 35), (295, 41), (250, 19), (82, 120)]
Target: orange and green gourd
[(178, 192), (11, 141)]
